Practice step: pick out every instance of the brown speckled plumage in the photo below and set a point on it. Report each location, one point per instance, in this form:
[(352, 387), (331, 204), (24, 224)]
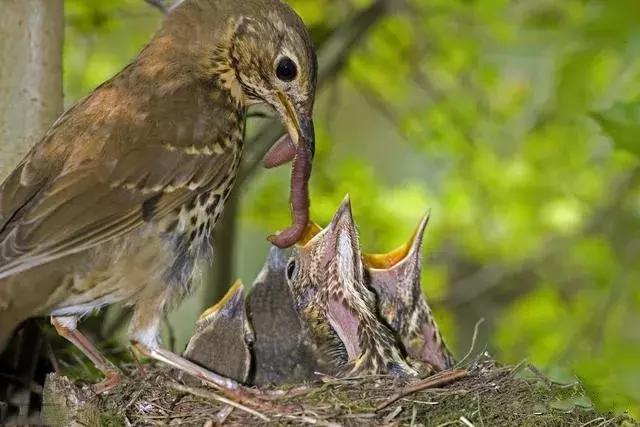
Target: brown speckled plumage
[(395, 278), (118, 200), (326, 278)]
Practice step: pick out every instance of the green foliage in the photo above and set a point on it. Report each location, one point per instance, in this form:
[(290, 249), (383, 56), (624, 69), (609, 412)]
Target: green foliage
[(622, 123), (100, 38), (516, 123)]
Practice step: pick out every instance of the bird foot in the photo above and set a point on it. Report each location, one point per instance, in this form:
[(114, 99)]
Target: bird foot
[(112, 379), (140, 369), (235, 391)]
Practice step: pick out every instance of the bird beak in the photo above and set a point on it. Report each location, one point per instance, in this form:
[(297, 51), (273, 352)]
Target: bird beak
[(391, 259), (341, 237), (300, 130), (301, 149), (229, 304)]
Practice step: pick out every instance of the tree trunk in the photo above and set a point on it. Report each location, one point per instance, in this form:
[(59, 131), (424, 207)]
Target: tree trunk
[(31, 35), (31, 41)]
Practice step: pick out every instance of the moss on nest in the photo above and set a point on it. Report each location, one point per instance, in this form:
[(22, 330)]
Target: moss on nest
[(484, 395)]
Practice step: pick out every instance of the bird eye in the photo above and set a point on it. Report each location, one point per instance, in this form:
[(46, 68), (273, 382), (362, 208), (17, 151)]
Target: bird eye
[(286, 69), (291, 269)]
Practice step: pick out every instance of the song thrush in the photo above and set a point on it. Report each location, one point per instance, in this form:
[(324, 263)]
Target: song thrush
[(327, 280), (117, 202), (395, 278)]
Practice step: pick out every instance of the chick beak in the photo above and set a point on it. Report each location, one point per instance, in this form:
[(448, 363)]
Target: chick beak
[(411, 249), (342, 246), (341, 236)]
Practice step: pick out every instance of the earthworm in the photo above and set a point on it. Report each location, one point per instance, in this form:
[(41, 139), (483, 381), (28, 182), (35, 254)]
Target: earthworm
[(300, 174), (283, 151)]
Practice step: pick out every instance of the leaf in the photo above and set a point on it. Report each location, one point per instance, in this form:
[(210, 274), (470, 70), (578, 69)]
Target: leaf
[(622, 123)]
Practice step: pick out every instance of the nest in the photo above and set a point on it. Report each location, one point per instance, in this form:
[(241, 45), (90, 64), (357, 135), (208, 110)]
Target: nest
[(483, 395)]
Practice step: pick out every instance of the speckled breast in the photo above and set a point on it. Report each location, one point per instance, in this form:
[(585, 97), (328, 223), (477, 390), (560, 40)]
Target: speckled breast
[(190, 234)]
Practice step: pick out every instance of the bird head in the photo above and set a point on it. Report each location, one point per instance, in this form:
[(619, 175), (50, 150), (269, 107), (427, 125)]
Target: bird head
[(258, 49), (321, 251), (247, 52), (325, 269), (328, 283), (395, 278), (227, 325), (275, 63)]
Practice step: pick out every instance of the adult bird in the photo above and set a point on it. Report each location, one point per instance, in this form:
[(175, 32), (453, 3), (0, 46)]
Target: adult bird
[(117, 202)]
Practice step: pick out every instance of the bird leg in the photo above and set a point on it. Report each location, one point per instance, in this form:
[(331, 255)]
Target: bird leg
[(66, 326), (234, 390)]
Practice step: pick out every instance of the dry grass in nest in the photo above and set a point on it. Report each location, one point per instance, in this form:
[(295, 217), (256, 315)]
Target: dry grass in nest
[(482, 395)]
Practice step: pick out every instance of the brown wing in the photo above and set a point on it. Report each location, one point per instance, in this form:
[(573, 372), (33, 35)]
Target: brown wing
[(47, 218)]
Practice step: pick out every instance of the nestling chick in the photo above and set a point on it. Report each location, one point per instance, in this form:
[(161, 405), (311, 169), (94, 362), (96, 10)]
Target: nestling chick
[(281, 347), (395, 278), (118, 200), (282, 351), (224, 337), (326, 278), (260, 339)]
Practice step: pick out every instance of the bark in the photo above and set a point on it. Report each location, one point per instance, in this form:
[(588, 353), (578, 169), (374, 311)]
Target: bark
[(31, 35), (31, 41)]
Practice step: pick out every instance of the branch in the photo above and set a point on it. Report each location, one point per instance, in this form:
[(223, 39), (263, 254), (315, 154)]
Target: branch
[(438, 380), (158, 4)]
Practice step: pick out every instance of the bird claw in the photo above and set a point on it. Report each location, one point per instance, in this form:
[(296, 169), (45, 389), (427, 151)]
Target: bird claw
[(112, 379)]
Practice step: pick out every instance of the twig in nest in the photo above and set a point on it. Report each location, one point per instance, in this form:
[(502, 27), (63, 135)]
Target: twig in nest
[(296, 391), (309, 420), (466, 422), (392, 414), (139, 366), (414, 414), (473, 343), (205, 394), (223, 414), (516, 369), (440, 379)]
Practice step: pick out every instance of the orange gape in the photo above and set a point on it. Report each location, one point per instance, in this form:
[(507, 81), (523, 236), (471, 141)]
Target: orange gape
[(389, 259)]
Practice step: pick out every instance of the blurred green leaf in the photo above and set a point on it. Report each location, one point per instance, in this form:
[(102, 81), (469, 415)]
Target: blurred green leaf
[(622, 123)]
